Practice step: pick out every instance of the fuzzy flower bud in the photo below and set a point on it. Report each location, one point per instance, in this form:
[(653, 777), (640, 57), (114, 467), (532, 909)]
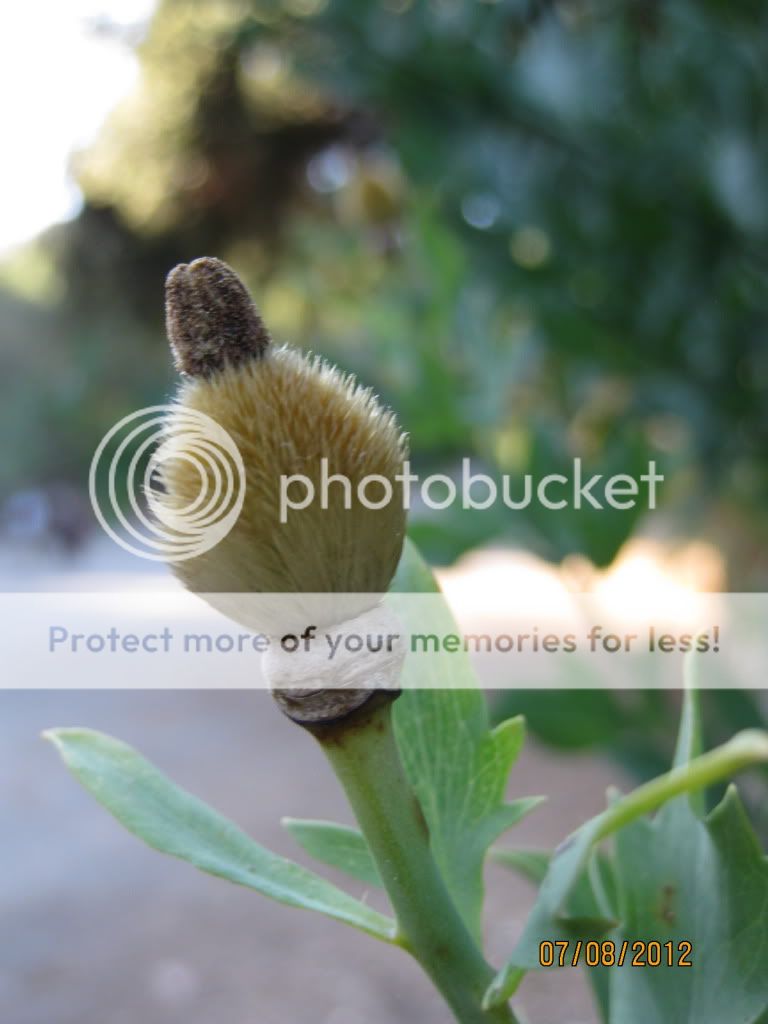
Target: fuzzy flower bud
[(290, 415)]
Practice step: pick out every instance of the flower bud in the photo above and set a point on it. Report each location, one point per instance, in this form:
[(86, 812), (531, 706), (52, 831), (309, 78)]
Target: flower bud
[(297, 422), (211, 319)]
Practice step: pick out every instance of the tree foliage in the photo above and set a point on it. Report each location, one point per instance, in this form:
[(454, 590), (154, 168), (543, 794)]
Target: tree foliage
[(539, 229)]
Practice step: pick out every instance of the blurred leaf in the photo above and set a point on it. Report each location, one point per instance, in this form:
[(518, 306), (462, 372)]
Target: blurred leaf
[(569, 719), (531, 864)]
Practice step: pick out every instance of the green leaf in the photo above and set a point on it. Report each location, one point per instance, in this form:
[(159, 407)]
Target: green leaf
[(552, 916), (705, 882), (670, 880), (174, 822), (459, 770), (504, 986), (677, 878), (531, 864), (456, 764), (413, 575), (690, 742), (682, 879), (339, 846), (570, 719), (593, 895)]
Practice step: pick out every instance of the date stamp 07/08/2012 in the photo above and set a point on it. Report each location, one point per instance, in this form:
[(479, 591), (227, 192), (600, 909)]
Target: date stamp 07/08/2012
[(572, 953)]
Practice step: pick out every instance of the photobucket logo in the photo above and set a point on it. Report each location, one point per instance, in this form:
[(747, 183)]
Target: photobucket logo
[(128, 466), (474, 490)]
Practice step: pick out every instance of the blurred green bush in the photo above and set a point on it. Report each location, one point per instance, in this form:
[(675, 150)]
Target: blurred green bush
[(539, 229)]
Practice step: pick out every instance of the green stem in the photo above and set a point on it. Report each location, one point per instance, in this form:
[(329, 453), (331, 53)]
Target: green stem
[(364, 756), (746, 748)]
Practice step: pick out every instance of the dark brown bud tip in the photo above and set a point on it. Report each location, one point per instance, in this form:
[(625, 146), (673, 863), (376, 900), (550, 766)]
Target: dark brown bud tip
[(211, 319)]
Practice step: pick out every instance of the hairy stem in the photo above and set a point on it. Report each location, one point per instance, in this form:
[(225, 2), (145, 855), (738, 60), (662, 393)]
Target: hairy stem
[(364, 756)]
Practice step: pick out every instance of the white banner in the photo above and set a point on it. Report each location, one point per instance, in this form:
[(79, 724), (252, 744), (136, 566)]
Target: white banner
[(157, 639)]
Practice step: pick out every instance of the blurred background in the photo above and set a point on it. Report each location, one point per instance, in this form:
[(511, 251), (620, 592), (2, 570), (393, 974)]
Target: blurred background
[(538, 229)]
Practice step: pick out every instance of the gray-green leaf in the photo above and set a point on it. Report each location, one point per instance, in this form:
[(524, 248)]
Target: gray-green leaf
[(677, 878), (456, 764), (552, 916), (339, 846), (174, 822), (703, 882)]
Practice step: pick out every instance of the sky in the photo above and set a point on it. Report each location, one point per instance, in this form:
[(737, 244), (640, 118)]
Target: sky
[(59, 78)]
